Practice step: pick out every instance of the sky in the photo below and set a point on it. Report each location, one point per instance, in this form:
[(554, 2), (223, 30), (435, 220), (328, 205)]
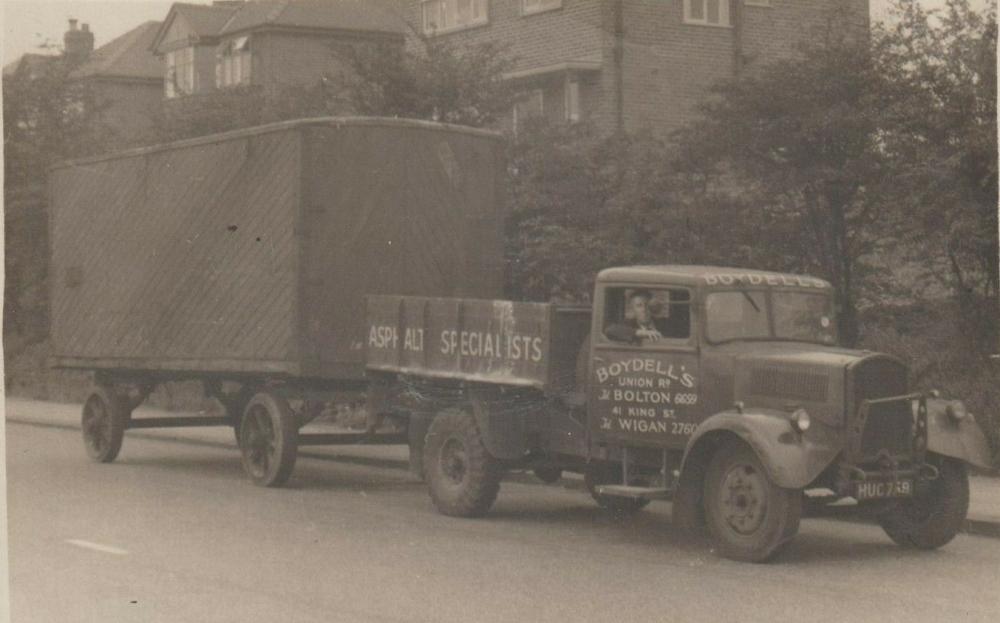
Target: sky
[(30, 24)]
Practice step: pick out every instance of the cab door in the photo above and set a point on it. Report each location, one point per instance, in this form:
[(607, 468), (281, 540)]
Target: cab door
[(644, 376)]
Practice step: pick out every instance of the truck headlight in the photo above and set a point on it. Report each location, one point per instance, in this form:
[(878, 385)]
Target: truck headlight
[(801, 421), (956, 410)]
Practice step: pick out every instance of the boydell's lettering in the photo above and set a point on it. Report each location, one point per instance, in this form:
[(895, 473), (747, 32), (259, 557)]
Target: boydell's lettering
[(756, 279), (639, 365)]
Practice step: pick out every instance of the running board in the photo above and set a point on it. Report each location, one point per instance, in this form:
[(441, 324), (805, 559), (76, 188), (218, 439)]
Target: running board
[(641, 493)]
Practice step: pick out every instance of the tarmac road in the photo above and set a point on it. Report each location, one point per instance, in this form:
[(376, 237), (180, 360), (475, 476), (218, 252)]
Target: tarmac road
[(175, 532)]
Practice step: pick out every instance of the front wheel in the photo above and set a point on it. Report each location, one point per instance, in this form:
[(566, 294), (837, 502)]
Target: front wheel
[(935, 514), (462, 477), (748, 515), (269, 438)]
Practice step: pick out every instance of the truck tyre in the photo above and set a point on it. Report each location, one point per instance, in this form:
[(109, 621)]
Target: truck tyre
[(749, 517), (604, 474), (269, 438), (462, 477), (935, 514), (104, 420)]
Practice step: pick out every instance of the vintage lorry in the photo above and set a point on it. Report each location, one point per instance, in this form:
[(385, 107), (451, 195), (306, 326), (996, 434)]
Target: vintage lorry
[(722, 389)]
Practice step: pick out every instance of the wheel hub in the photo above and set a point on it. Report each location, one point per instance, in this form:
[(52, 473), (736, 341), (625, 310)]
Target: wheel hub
[(744, 499), (453, 461), (260, 442)]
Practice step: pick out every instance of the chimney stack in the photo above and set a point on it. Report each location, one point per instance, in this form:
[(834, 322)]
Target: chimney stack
[(77, 44)]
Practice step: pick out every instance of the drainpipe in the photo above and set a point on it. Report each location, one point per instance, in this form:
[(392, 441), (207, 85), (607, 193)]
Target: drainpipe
[(619, 62), (736, 14)]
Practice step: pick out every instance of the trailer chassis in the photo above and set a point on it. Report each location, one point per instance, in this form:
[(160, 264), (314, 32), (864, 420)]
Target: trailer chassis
[(265, 413)]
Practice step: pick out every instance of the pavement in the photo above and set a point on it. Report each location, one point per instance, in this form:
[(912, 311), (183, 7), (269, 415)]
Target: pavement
[(984, 499)]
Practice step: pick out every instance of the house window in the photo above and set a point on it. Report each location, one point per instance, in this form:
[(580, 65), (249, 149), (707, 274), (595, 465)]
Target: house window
[(445, 15), (537, 6), (232, 63), (572, 101), (179, 79), (707, 12)]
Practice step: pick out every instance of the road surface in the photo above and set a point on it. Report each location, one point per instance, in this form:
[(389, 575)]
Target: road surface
[(175, 532)]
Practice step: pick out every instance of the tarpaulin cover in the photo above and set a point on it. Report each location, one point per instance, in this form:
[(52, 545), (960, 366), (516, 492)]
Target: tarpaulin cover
[(252, 251)]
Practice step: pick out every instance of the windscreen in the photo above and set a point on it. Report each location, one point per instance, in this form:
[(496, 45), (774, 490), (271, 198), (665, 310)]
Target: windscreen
[(751, 314)]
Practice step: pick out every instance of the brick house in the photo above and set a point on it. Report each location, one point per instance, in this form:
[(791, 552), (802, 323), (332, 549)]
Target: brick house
[(123, 76), (626, 64), (264, 43)]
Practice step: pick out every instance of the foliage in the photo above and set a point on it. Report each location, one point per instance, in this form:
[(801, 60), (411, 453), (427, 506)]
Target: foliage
[(568, 219), (939, 130), (807, 159), (435, 80), (442, 82), (235, 108)]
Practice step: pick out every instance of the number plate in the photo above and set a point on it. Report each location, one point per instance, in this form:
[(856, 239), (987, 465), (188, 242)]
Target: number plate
[(875, 489)]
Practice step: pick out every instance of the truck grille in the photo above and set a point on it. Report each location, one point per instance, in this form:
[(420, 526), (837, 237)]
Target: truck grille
[(789, 384), (880, 425)]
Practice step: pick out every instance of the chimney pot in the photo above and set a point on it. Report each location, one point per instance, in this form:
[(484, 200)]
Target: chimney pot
[(77, 44)]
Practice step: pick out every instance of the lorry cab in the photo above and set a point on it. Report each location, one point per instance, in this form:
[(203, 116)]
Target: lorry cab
[(725, 390), (667, 342)]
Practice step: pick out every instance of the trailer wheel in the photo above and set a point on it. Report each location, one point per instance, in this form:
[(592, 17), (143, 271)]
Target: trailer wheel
[(748, 516), (235, 405), (604, 474), (268, 440), (105, 418), (462, 477), (935, 514)]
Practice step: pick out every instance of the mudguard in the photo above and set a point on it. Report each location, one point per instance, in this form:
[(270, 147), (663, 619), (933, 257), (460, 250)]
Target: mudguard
[(958, 439), (792, 459), (501, 422)]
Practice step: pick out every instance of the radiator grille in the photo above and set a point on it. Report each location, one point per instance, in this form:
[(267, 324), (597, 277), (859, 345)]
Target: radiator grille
[(789, 384), (889, 425)]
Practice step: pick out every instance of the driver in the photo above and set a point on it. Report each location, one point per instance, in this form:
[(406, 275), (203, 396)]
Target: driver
[(640, 327)]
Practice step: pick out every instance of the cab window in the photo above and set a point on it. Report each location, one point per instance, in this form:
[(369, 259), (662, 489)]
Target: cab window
[(647, 316)]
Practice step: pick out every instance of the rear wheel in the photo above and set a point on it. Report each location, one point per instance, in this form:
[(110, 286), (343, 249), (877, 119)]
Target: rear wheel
[(462, 477), (935, 514), (748, 515), (104, 420), (268, 440)]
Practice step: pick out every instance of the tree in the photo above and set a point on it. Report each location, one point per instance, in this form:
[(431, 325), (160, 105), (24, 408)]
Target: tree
[(434, 80), (806, 158), (939, 130), (582, 201), (239, 107)]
